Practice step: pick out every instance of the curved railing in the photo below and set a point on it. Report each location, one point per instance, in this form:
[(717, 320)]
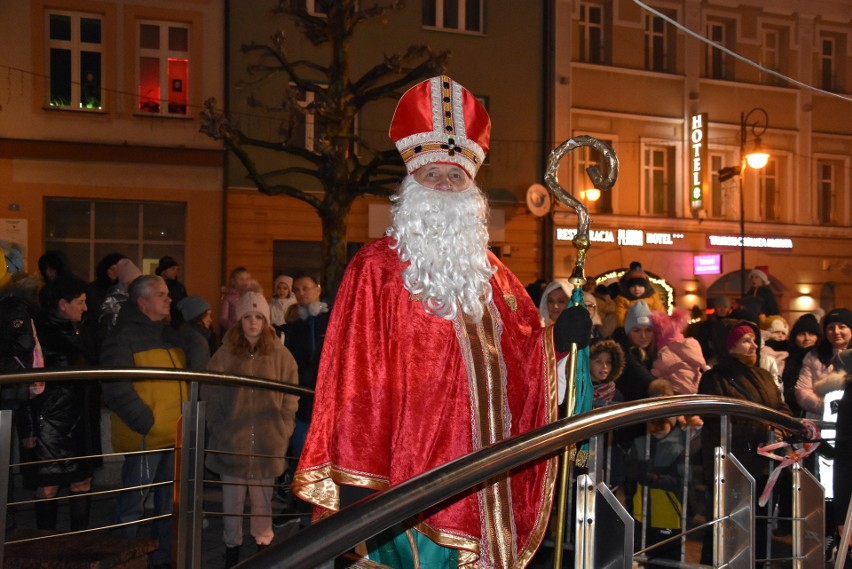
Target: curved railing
[(112, 374), (339, 533)]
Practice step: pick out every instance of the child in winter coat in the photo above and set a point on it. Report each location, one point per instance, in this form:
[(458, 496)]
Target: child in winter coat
[(679, 360), (606, 363), (636, 286), (249, 428), (656, 463)]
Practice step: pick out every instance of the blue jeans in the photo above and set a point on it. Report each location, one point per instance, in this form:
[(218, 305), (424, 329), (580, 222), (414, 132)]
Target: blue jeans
[(139, 470)]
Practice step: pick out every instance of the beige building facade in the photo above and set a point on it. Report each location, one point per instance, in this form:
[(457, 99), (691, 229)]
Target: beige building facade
[(99, 142), (100, 149), (625, 74)]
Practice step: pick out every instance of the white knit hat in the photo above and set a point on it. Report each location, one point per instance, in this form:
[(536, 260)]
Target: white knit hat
[(759, 274), (252, 302)]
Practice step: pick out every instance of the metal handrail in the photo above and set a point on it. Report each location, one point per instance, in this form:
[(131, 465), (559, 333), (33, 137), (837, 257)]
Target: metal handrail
[(140, 374), (341, 532)]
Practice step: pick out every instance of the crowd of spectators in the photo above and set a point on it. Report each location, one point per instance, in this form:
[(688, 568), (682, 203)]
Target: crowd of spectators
[(741, 348)]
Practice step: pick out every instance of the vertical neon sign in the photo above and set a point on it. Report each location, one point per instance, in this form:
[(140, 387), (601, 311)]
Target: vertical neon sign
[(697, 157)]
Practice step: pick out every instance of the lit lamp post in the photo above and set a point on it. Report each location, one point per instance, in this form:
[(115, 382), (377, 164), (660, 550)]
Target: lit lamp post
[(756, 159)]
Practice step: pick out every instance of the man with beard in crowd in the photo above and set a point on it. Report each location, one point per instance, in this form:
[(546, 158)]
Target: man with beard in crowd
[(434, 350)]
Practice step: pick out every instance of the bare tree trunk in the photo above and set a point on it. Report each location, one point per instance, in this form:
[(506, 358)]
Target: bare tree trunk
[(334, 245)]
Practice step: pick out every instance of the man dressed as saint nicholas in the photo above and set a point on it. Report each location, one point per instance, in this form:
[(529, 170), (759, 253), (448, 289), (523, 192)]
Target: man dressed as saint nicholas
[(433, 351)]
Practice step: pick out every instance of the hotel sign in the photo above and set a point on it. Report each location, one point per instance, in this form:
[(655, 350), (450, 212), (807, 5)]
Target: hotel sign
[(697, 160), (626, 237)]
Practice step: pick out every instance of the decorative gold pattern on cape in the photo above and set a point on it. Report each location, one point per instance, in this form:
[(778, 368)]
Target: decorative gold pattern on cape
[(489, 408), (321, 485)]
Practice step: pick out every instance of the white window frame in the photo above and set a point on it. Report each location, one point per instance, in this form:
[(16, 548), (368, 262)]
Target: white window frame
[(304, 99), (770, 54), (311, 8), (589, 52), (462, 18), (667, 38), (669, 169), (586, 157), (824, 211), (770, 189), (827, 62), (163, 54), (717, 64), (76, 46)]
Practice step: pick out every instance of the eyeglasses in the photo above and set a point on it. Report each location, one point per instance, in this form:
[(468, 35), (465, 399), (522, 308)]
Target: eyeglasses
[(591, 307)]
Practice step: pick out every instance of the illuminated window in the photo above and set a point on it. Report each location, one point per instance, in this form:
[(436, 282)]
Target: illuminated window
[(658, 192), (659, 44), (163, 68), (587, 157), (592, 34), (75, 51), (454, 15)]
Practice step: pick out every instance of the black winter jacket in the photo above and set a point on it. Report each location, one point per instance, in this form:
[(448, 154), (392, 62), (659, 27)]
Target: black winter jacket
[(65, 418)]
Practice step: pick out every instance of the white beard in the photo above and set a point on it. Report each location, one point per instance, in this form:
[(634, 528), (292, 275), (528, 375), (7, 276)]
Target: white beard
[(445, 238)]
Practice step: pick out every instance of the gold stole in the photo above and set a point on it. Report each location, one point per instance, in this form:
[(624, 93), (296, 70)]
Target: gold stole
[(490, 424)]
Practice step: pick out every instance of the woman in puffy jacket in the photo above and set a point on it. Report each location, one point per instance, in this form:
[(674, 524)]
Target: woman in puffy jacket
[(61, 420)]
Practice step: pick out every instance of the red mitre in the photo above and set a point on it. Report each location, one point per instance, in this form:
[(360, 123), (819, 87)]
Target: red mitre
[(438, 120)]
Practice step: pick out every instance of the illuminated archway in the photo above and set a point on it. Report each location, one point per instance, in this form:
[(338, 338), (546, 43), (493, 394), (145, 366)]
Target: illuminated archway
[(663, 288)]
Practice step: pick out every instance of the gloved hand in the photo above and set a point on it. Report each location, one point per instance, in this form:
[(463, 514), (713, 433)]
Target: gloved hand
[(574, 326)]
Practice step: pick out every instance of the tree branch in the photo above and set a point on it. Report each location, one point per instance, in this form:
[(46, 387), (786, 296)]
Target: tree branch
[(434, 65)]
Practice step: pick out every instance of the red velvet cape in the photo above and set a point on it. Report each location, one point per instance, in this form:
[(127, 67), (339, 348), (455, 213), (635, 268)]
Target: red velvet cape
[(393, 400)]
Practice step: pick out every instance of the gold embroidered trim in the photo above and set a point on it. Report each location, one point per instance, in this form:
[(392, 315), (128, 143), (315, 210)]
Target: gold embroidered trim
[(466, 545), (511, 301), (321, 485), (488, 390), (539, 528)]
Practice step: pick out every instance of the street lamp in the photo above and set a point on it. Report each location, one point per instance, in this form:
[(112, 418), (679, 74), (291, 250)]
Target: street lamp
[(755, 159)]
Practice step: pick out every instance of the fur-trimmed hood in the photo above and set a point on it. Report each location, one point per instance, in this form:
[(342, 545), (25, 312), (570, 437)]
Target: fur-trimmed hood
[(615, 352)]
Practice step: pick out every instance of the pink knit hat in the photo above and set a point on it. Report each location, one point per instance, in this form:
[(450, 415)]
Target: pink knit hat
[(737, 333), (126, 271)]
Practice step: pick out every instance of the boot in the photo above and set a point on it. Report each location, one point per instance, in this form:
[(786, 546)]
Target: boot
[(232, 556), (46, 514), (79, 505)]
